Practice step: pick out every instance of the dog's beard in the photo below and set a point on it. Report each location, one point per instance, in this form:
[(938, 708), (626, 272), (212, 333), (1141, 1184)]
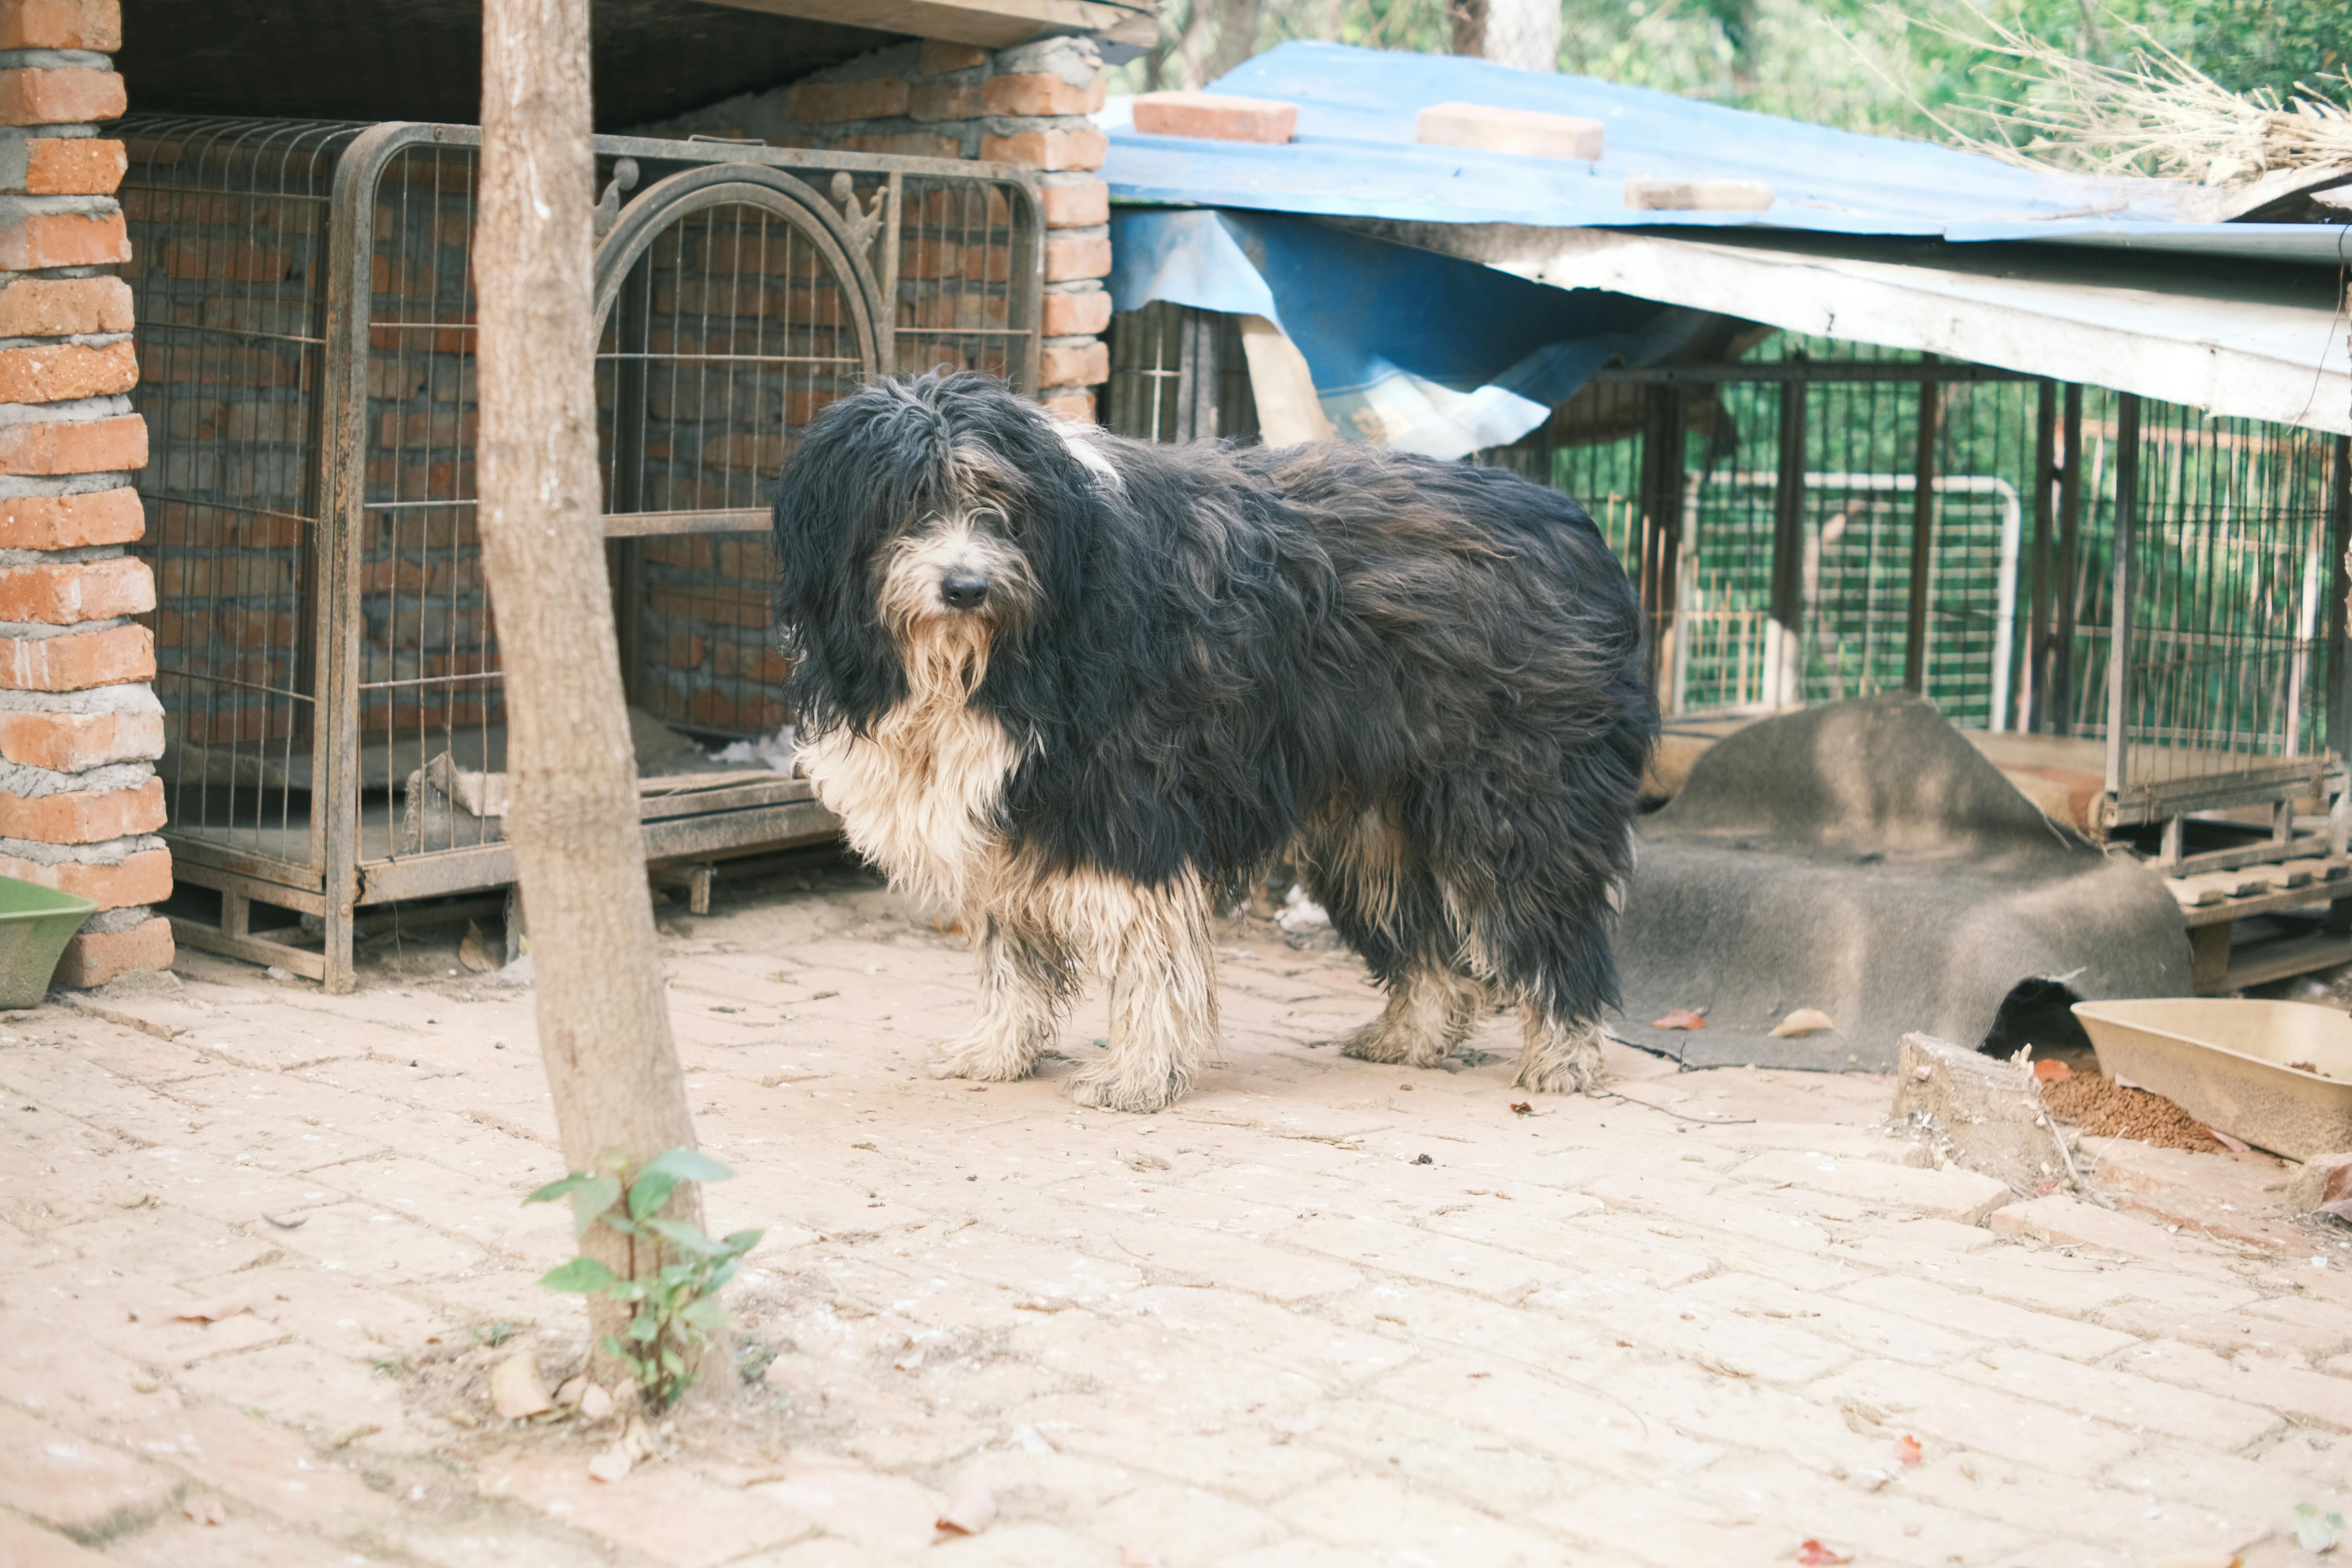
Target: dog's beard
[(943, 650)]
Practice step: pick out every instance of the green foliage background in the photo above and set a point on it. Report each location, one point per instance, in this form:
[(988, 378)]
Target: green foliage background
[(1862, 64)]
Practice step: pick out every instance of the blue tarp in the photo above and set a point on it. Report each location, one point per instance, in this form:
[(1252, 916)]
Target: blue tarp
[(1419, 352), (1355, 156)]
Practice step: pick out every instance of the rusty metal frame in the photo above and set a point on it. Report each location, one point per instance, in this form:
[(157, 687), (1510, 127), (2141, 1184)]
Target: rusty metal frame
[(759, 816)]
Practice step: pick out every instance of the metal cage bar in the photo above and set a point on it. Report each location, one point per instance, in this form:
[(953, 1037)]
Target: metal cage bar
[(330, 664)]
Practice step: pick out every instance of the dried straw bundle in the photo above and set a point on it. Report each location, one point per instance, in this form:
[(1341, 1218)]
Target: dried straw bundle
[(2156, 115)]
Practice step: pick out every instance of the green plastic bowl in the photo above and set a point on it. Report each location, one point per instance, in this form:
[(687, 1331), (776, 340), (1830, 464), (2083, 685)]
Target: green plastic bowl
[(34, 923)]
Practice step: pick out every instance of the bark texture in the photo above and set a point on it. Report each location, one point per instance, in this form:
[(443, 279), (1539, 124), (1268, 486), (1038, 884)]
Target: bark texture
[(604, 1022), (1524, 34)]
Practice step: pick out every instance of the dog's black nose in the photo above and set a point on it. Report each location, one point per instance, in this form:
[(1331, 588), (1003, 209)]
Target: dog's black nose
[(964, 590)]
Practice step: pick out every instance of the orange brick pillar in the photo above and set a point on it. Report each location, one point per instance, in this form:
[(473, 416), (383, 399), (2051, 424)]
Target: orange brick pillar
[(1026, 105), (79, 725)]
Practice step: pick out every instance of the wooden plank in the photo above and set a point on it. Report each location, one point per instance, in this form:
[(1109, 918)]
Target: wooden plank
[(2208, 959), (644, 525), (2214, 898), (704, 834), (992, 24), (698, 803), (2263, 962), (253, 949), (197, 874), (684, 783)]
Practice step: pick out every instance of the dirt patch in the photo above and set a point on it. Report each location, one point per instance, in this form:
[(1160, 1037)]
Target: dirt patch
[(2102, 1108)]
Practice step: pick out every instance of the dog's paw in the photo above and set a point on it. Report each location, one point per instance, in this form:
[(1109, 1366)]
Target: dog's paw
[(1111, 1090), (983, 1055), (1376, 1042), (1561, 1078)]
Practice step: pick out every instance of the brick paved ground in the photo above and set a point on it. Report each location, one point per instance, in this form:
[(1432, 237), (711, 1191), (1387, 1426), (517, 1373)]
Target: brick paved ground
[(1257, 1330)]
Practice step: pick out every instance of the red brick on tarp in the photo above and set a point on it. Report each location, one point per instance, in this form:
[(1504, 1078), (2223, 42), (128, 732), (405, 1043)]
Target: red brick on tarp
[(1216, 116)]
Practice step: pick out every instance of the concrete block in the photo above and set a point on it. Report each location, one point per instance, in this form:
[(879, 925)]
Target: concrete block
[(1978, 1112), (1524, 131), (2324, 1186), (1643, 194)]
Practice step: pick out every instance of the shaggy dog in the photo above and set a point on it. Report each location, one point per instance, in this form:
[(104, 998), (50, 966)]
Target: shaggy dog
[(1081, 690)]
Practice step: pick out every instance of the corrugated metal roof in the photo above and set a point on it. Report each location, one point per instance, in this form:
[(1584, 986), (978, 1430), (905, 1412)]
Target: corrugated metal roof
[(1355, 156)]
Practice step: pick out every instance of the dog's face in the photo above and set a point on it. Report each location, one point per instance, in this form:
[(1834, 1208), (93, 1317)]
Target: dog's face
[(954, 579), (924, 529)]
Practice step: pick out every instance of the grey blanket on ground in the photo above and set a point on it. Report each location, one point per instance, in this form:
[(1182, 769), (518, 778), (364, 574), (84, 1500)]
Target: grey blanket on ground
[(1861, 858)]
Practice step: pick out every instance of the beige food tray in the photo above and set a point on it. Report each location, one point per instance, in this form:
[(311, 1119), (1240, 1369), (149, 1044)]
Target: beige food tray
[(2226, 1063)]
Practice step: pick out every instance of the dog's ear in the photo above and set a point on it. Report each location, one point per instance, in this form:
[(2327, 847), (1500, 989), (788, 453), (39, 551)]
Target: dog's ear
[(868, 467)]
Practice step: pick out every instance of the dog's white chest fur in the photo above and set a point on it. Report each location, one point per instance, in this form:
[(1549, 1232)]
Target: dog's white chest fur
[(918, 796)]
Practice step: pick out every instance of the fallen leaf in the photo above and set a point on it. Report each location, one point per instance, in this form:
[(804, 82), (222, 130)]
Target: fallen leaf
[(206, 1511), (1680, 1018), (1804, 1021), (474, 953), (970, 1510), (2227, 1142), (214, 1311), (2051, 1072), (1814, 1555), (516, 1388), (610, 1464), (1522, 1108), (594, 1404), (1907, 1451), (1142, 1162)]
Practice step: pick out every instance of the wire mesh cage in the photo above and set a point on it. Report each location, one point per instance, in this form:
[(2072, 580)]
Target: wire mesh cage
[(1822, 520), (327, 651)]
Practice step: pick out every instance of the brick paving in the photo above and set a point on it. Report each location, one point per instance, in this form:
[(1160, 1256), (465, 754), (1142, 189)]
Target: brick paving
[(1322, 1313)]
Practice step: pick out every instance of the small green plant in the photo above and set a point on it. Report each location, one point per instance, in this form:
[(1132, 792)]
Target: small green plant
[(2315, 1531), (676, 1307)]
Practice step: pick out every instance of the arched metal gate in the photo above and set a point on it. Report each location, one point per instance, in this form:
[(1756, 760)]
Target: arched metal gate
[(327, 653)]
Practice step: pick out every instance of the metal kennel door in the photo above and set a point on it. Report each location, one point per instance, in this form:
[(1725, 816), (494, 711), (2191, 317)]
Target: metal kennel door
[(733, 301)]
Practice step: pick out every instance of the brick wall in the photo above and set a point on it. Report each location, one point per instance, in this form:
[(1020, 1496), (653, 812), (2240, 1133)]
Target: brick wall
[(1026, 105), (80, 724)]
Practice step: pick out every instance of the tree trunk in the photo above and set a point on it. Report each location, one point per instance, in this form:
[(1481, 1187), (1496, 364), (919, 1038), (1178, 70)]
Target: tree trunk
[(1520, 33), (603, 1021)]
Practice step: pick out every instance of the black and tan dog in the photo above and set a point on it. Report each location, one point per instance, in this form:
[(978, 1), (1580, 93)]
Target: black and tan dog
[(1079, 689)]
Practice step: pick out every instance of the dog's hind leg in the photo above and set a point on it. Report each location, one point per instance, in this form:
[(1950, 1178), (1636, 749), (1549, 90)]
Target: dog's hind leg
[(1025, 982), (1431, 1010), (1163, 1001)]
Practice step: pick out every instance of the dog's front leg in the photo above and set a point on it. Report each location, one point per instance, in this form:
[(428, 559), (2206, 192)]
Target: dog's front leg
[(1163, 1002), (1026, 980)]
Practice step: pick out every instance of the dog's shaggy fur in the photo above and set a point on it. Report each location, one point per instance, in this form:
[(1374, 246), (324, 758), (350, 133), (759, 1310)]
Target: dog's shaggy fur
[(1080, 689)]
